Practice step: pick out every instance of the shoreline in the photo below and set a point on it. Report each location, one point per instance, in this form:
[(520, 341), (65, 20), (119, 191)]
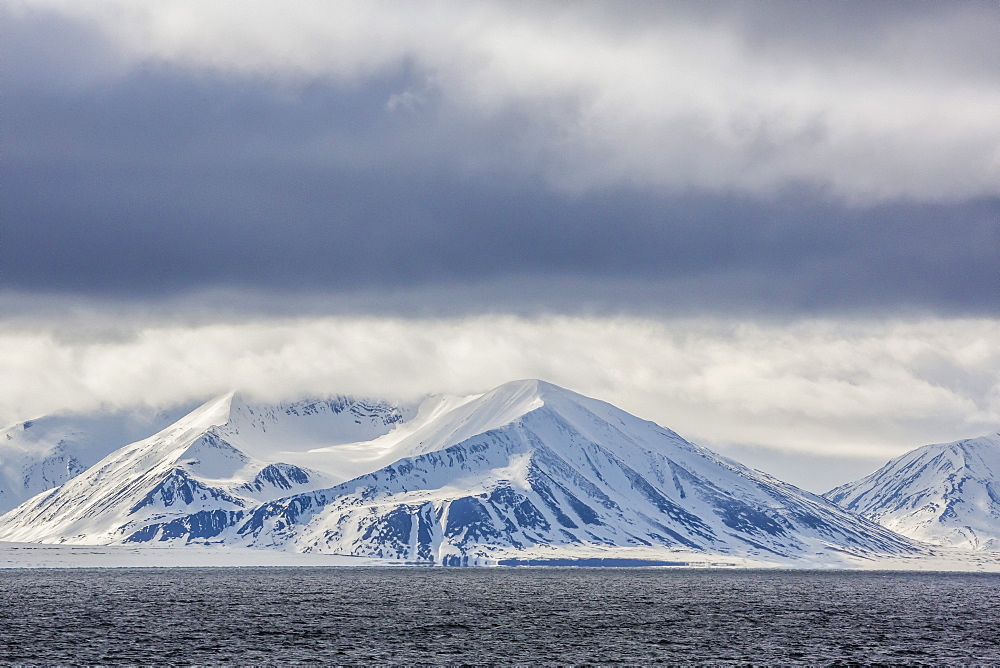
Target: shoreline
[(62, 556)]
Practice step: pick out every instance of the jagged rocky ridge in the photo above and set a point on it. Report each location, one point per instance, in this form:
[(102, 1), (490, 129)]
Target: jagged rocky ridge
[(526, 469), (945, 494)]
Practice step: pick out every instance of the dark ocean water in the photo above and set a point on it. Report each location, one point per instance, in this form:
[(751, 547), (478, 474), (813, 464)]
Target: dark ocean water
[(495, 616)]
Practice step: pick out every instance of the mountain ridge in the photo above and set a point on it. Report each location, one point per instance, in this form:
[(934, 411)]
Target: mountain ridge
[(524, 469), (46, 451)]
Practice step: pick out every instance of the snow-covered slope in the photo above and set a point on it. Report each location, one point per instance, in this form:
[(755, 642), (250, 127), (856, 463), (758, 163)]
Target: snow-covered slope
[(198, 474), (39, 454), (525, 469), (945, 494)]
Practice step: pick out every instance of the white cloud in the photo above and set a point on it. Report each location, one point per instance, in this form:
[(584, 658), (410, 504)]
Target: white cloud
[(861, 388), (666, 102)]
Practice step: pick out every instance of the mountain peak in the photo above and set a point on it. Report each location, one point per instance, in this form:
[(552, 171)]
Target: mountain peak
[(530, 385), (944, 493), (526, 394)]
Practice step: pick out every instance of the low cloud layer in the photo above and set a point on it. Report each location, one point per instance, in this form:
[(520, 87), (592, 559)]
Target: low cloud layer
[(820, 388)]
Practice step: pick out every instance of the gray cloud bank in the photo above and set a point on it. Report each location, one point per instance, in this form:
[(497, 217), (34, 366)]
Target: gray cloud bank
[(737, 158)]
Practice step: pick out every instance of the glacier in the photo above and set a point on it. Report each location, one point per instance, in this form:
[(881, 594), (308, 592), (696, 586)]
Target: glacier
[(945, 494), (527, 471)]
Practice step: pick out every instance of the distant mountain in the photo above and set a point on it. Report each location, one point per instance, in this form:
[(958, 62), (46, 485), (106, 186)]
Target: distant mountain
[(528, 469), (945, 494), (37, 455)]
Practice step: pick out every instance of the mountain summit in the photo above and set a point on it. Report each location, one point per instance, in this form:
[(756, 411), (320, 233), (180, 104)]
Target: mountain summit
[(946, 494), (527, 469)]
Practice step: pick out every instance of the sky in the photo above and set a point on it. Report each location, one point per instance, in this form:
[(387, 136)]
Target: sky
[(773, 227)]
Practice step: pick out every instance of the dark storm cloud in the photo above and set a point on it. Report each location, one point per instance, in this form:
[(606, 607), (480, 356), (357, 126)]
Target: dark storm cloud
[(163, 180)]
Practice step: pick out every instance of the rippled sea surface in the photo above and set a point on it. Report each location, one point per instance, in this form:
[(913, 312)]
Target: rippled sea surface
[(499, 616)]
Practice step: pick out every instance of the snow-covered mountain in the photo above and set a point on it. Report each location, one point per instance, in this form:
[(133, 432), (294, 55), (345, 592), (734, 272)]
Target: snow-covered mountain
[(196, 475), (945, 494), (39, 454), (525, 469)]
